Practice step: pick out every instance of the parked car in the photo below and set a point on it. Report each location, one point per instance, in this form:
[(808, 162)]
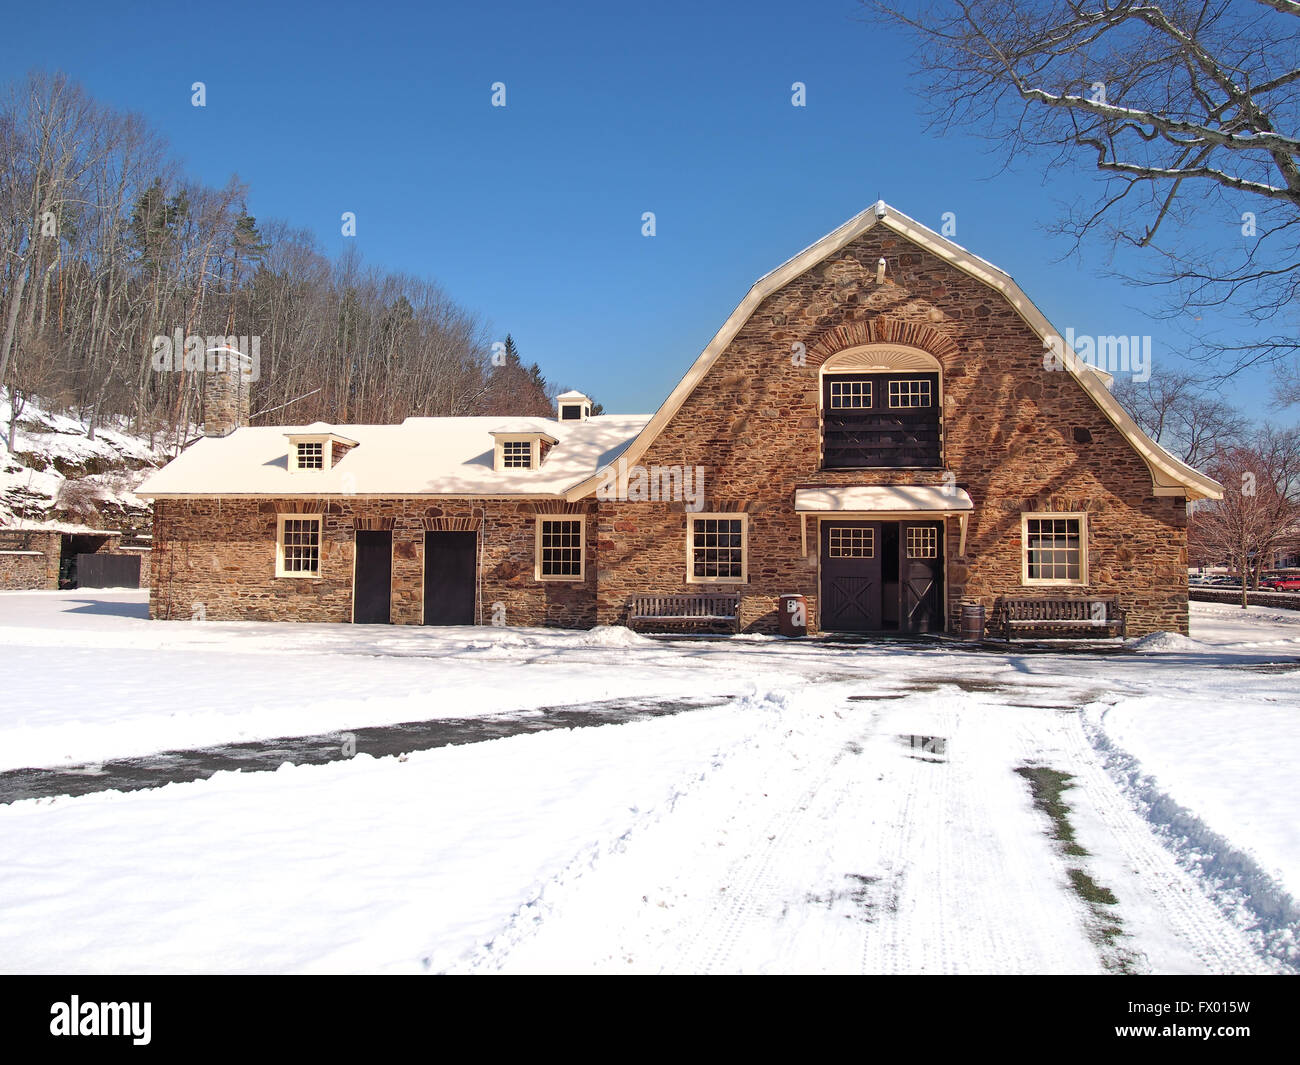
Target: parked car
[(1283, 583)]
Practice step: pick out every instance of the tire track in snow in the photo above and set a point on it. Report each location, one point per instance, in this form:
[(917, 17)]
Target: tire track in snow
[(980, 894), (759, 892), (1193, 918), (957, 890)]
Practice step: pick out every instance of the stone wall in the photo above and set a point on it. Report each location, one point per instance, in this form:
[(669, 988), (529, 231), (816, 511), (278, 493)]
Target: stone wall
[(22, 570), (218, 557), (1017, 437)]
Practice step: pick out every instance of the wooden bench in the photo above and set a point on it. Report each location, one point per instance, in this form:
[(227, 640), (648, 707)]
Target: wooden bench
[(713, 609), (1055, 614)]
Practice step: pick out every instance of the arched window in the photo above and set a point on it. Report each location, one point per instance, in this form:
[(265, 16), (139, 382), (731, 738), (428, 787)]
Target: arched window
[(881, 407)]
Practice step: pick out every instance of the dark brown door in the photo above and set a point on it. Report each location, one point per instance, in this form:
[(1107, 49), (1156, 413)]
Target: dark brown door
[(449, 571), (920, 564), (851, 576), (372, 579)]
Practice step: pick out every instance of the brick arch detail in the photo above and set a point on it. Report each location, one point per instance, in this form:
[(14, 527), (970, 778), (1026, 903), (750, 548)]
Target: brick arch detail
[(881, 331), (452, 524)]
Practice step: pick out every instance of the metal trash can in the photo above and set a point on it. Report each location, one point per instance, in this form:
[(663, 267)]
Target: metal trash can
[(792, 615), (972, 622)]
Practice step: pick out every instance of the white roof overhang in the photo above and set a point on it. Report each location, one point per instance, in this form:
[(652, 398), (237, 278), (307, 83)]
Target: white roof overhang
[(1169, 475), (913, 500)]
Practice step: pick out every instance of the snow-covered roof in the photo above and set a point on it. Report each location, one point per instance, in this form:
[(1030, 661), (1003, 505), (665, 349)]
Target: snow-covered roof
[(73, 527), (893, 498), (421, 456)]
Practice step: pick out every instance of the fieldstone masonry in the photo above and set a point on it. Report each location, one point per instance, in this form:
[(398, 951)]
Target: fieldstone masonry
[(1016, 437)]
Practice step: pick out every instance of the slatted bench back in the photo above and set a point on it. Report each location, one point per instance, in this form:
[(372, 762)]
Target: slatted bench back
[(1081, 610), (684, 607)]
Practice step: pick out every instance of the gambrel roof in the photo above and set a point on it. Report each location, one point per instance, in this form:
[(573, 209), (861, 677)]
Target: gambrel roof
[(454, 456), (1169, 475)]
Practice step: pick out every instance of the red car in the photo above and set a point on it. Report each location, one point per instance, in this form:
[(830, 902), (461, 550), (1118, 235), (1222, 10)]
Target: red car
[(1289, 583)]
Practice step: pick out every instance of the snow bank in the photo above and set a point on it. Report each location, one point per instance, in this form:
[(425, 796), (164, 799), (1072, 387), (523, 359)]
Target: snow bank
[(1166, 641), (613, 636)]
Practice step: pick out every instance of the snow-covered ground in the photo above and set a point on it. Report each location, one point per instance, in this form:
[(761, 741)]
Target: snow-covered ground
[(796, 828)]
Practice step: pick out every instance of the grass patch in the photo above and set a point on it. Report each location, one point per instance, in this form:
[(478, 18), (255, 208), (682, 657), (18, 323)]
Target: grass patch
[(1090, 891), (1048, 787)]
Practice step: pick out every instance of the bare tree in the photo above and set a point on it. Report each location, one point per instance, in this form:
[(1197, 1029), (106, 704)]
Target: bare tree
[(1259, 508), (1188, 110), (1182, 416), (104, 245)]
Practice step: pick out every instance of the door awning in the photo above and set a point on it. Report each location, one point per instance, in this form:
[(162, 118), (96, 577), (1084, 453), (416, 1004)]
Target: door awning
[(881, 501), (910, 499)]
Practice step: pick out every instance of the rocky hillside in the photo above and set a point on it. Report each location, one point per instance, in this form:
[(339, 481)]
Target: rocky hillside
[(58, 473)]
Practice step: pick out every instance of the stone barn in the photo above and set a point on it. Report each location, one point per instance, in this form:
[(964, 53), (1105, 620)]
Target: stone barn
[(885, 425)]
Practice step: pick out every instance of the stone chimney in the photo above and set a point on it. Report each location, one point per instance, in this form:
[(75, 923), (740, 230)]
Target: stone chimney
[(227, 384)]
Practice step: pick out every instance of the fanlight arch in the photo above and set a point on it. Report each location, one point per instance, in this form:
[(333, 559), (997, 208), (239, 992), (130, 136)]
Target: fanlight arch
[(870, 358)]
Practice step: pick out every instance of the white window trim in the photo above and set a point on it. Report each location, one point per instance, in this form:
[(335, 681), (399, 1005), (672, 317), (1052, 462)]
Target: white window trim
[(582, 548), (280, 571), (327, 452), (534, 451), (691, 519), (1025, 579)]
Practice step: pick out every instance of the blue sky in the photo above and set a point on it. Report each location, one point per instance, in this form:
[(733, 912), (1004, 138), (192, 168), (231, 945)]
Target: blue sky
[(530, 215)]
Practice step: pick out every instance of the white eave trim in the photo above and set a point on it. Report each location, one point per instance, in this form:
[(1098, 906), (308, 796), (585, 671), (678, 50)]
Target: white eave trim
[(1169, 476)]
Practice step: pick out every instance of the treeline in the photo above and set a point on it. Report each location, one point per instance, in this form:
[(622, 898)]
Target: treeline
[(105, 245)]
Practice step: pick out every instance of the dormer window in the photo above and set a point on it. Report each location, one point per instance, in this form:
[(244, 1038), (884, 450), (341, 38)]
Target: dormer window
[(317, 448), (517, 454), (311, 456), (520, 449)]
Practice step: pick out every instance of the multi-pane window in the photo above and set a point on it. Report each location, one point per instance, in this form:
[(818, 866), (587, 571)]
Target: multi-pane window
[(922, 542), (873, 420), (847, 541), (911, 392), (559, 548), (850, 395), (1054, 548), (517, 454), (717, 549), (299, 546), (311, 456)]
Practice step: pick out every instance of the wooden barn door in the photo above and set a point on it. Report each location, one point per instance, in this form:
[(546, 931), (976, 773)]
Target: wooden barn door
[(920, 564), (372, 578), (850, 576), (450, 566)]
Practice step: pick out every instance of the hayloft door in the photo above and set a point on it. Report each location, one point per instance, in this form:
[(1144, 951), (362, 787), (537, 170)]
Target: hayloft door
[(372, 579), (449, 572)]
